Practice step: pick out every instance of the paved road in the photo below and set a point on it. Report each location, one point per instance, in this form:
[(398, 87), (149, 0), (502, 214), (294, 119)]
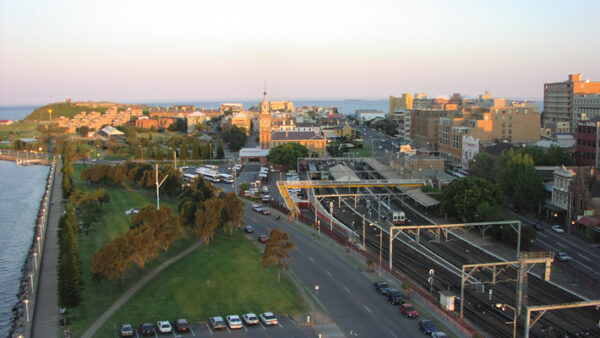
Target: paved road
[(345, 292), (45, 318)]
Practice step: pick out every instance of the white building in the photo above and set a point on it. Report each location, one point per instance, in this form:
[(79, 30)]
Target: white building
[(470, 148), (368, 115), (560, 188), (585, 107)]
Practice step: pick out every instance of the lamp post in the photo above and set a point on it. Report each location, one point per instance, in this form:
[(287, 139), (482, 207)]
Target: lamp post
[(319, 227), (38, 243), (35, 259), (380, 243), (27, 308), (364, 246), (514, 322)]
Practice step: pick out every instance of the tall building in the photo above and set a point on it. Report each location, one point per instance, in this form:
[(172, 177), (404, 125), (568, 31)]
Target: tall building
[(588, 142), (401, 103), (586, 106), (264, 119), (559, 100)]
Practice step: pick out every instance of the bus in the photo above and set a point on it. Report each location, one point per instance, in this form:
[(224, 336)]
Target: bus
[(187, 178), (226, 178), (209, 175), (211, 167)]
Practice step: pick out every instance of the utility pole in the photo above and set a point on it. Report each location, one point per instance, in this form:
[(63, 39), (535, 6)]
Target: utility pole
[(175, 159), (158, 187)]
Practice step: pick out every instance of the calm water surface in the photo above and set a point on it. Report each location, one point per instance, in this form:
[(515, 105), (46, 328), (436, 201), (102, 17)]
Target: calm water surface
[(21, 191)]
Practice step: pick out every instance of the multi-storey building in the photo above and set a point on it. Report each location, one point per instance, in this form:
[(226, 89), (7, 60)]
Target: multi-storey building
[(401, 103), (559, 100), (586, 106), (426, 127), (587, 135)]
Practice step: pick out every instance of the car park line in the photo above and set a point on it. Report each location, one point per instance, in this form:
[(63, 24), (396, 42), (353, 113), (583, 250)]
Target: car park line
[(259, 323), (329, 273), (347, 290), (368, 309), (278, 323), (311, 259), (541, 234), (561, 245), (393, 334), (192, 331), (209, 330), (245, 328)]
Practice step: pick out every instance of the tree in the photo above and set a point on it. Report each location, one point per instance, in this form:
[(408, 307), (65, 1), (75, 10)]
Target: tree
[(83, 131), (233, 211), (196, 150), (461, 197), (159, 153), (208, 219), (183, 151), (277, 251), (484, 166), (179, 125), (558, 156), (235, 137), (520, 180), (70, 282), (220, 150), (191, 198), (162, 224), (287, 154)]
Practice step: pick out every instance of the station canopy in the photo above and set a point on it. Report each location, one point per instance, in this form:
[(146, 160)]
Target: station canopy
[(341, 172), (420, 197)]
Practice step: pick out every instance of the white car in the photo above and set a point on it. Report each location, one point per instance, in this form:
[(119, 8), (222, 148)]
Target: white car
[(557, 228), (562, 256), (268, 318), (233, 321), (164, 326), (439, 334), (250, 319)]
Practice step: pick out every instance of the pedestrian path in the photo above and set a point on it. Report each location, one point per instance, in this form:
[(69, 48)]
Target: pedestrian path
[(46, 314)]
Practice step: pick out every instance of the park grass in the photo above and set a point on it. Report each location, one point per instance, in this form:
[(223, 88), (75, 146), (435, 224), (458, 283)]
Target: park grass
[(20, 129), (365, 151), (224, 278), (98, 296)]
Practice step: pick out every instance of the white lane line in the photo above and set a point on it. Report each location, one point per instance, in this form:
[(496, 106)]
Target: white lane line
[(209, 330), (393, 334), (368, 309), (561, 245), (244, 326), (192, 331), (261, 325), (584, 257), (329, 273), (542, 234), (278, 323), (311, 259), (347, 290)]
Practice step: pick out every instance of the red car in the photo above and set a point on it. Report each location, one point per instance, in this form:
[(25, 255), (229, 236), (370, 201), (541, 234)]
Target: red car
[(408, 311), (263, 238), (182, 325)]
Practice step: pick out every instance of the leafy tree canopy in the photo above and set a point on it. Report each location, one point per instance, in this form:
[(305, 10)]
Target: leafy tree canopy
[(287, 154)]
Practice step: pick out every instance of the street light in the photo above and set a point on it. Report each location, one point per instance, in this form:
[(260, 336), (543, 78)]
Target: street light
[(364, 245), (380, 243), (514, 322), (27, 308)]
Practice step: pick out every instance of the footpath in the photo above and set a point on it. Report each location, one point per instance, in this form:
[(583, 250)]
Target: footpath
[(46, 314)]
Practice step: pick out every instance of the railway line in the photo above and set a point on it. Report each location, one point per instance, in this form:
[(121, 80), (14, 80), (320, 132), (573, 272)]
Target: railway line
[(409, 258)]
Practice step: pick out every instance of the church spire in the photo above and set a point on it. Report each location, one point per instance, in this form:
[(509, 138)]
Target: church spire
[(264, 107)]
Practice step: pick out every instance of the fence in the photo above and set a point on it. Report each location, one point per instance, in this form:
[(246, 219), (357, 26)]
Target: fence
[(27, 296), (423, 295)]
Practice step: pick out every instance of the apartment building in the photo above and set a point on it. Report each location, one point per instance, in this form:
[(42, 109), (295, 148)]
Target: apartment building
[(588, 142), (586, 106), (559, 100), (401, 103)]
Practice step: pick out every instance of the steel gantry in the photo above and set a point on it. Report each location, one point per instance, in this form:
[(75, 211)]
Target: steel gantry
[(525, 263), (543, 308)]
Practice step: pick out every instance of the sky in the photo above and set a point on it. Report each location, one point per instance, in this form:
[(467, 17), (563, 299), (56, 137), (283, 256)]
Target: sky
[(158, 51)]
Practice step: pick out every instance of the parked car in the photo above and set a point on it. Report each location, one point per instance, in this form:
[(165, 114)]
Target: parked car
[(538, 227), (164, 326), (439, 334), (408, 311), (250, 319), (381, 287), (234, 321), (266, 198), (394, 296), (256, 207), (182, 325), (217, 322), (427, 326), (268, 318), (562, 256), (263, 238), (249, 229), (147, 329), (127, 330), (558, 229), (265, 211)]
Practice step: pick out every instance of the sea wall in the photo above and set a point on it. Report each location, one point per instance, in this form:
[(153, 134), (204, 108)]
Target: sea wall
[(24, 309)]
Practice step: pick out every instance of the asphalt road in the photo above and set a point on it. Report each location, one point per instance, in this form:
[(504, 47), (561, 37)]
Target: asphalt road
[(345, 292)]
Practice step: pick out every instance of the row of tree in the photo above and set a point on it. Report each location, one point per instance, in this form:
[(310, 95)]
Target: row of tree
[(235, 137), (152, 231), (143, 174)]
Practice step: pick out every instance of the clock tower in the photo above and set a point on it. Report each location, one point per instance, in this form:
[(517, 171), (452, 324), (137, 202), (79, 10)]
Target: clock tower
[(264, 120)]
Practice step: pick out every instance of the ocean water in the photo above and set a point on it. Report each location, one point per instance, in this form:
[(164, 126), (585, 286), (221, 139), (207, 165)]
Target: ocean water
[(21, 191), (15, 112)]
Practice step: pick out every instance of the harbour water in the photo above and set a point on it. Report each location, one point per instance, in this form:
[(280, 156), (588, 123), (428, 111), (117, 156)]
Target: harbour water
[(21, 189)]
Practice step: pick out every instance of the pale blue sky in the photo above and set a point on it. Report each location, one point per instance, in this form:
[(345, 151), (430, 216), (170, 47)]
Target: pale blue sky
[(132, 51)]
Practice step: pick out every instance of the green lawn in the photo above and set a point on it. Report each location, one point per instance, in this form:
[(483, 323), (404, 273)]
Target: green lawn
[(365, 151), (98, 296), (225, 278), (20, 129)]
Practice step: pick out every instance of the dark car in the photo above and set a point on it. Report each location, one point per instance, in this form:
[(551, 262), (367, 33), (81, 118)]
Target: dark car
[(408, 311), (381, 287), (249, 229), (265, 211), (147, 329), (182, 325), (427, 326), (395, 296), (263, 238), (538, 227)]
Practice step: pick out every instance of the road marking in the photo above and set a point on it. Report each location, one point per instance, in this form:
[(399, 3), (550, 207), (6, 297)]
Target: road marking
[(561, 245), (244, 326), (209, 330), (311, 259), (585, 257), (368, 309), (261, 325), (278, 323), (542, 234), (347, 290), (329, 273), (227, 328), (393, 334), (192, 331)]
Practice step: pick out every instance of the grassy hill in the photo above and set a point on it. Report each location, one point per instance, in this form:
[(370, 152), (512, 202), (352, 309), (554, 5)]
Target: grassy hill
[(66, 109)]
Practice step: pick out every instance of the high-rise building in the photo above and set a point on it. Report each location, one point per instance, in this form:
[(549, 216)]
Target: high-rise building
[(586, 106), (401, 103), (559, 97)]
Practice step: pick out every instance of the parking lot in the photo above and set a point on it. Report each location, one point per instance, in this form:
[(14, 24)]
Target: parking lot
[(287, 328)]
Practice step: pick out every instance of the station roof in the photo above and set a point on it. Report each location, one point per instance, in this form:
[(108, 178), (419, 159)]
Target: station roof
[(421, 198), (341, 172), (254, 152)]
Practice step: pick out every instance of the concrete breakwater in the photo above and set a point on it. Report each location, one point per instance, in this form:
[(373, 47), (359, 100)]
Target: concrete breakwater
[(23, 310)]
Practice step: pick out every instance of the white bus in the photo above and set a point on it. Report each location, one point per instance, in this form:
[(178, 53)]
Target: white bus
[(187, 178), (211, 167), (226, 178), (209, 175)]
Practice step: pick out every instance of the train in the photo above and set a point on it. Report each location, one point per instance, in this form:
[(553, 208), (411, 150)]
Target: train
[(398, 218)]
